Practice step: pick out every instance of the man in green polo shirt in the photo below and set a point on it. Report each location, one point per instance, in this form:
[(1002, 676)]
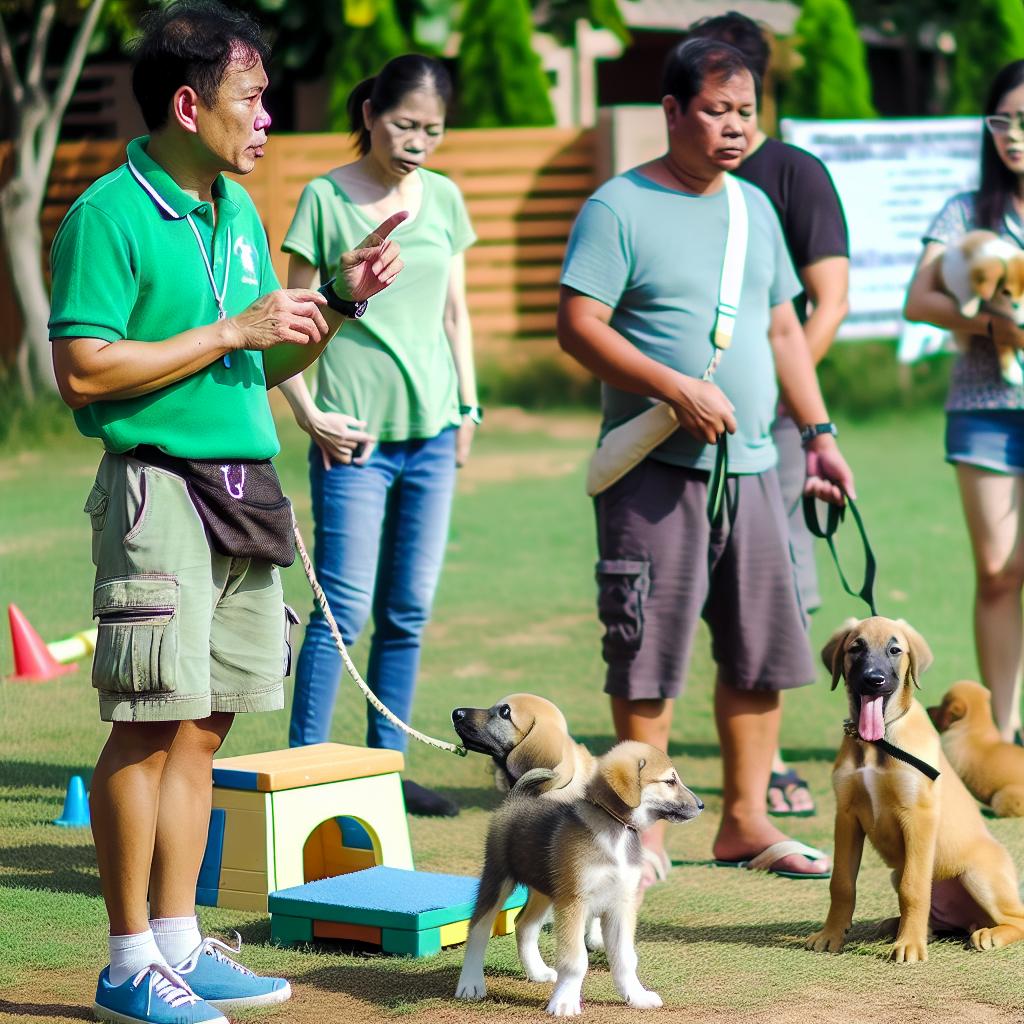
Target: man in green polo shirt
[(168, 327)]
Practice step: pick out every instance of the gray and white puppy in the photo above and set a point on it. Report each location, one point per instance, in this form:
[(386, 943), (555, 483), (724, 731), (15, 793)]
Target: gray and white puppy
[(580, 857)]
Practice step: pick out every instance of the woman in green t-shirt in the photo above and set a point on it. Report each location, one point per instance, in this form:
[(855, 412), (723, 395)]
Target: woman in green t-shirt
[(395, 406)]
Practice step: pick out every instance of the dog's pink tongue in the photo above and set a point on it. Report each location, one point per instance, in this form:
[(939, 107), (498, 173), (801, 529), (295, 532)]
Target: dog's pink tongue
[(871, 726)]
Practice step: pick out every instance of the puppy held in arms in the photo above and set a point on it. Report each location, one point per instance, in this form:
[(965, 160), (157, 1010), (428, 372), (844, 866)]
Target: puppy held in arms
[(894, 786), (580, 856), (983, 268)]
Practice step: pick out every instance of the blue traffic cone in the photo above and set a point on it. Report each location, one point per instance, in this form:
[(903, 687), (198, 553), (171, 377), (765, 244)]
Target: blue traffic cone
[(76, 805)]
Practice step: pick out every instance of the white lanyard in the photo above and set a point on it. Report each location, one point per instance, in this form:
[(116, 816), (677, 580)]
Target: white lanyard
[(218, 297)]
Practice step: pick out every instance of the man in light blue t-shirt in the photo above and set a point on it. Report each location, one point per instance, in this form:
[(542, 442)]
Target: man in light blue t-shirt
[(640, 289)]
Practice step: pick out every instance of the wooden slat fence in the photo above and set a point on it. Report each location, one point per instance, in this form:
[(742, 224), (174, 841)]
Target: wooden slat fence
[(523, 188)]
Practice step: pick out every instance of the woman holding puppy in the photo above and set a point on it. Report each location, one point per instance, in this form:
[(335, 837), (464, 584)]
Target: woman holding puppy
[(985, 414)]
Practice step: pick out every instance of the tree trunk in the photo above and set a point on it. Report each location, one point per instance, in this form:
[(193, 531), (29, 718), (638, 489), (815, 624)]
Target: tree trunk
[(20, 204)]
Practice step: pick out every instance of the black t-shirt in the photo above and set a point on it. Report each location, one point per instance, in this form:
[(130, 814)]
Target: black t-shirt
[(806, 201)]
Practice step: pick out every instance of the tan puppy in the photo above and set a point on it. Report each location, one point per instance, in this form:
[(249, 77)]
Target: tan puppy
[(982, 267), (944, 860), (521, 732), (581, 856), (992, 769)]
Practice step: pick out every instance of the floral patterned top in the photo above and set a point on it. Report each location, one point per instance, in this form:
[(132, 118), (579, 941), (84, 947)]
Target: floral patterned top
[(975, 383)]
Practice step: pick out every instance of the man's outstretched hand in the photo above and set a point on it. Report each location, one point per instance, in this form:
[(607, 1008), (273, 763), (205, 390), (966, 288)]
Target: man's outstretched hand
[(372, 265)]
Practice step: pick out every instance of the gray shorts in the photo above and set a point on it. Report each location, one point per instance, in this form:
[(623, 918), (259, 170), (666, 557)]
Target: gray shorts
[(661, 567), (792, 472), (183, 630)]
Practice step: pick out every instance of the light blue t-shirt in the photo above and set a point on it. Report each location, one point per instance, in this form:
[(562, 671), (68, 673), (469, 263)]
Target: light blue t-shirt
[(654, 255)]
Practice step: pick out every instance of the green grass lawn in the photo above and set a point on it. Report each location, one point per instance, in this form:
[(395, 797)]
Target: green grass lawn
[(515, 611)]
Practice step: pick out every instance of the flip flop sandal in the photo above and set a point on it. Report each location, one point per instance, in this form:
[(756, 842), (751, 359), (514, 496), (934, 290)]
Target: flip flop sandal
[(782, 781), (772, 854)]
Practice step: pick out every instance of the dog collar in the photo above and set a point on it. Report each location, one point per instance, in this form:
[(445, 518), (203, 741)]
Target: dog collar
[(850, 729), (612, 814)]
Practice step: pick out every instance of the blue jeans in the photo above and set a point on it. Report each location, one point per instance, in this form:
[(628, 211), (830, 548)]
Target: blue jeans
[(379, 539)]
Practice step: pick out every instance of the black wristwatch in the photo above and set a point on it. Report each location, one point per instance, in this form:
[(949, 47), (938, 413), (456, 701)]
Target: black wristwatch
[(346, 307), (813, 430), (474, 412)]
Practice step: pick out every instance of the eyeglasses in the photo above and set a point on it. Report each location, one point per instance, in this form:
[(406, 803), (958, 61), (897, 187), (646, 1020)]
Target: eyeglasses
[(1000, 124)]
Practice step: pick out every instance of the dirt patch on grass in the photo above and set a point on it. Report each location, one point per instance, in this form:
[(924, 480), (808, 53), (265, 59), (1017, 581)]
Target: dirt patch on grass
[(510, 420), (501, 467), (344, 993)]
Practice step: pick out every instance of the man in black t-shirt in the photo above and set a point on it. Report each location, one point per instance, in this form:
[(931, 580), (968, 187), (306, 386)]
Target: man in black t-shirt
[(814, 226)]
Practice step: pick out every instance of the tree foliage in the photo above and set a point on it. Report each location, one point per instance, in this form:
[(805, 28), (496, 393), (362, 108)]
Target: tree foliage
[(501, 81), (358, 53), (986, 40), (832, 80)]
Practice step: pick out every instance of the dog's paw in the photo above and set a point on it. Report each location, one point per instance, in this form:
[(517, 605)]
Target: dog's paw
[(565, 1004), (471, 988), (994, 938), (541, 973), (825, 942), (1011, 371), (909, 951), (595, 937), (643, 999)]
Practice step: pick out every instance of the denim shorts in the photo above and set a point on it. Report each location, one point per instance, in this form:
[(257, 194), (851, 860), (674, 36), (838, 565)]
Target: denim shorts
[(992, 440)]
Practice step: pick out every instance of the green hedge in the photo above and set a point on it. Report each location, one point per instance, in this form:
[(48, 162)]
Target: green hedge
[(857, 378)]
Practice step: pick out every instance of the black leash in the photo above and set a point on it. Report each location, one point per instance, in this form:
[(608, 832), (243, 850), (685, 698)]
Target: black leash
[(850, 729), (867, 595), (835, 516)]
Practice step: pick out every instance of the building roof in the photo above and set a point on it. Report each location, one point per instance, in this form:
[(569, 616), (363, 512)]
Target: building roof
[(673, 15)]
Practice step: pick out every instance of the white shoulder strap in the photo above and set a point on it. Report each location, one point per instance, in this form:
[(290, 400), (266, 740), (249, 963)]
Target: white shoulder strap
[(732, 266)]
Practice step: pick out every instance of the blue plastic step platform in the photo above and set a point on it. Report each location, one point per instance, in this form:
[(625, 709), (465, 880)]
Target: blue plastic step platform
[(411, 913)]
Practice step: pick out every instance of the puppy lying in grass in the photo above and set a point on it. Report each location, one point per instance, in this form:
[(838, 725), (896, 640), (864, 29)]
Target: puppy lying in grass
[(991, 768), (581, 856)]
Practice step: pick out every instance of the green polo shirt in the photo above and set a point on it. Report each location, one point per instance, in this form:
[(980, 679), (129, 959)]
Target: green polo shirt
[(127, 264)]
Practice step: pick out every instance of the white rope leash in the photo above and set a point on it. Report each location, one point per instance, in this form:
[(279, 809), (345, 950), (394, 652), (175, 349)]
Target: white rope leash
[(321, 598)]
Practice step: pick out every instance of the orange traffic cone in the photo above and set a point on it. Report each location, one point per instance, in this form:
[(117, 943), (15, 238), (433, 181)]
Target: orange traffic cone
[(32, 660)]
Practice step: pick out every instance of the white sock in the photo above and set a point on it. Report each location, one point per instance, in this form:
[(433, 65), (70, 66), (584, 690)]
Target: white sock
[(177, 937), (130, 953)]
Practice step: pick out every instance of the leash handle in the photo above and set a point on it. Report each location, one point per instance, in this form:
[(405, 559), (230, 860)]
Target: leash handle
[(836, 514), (716, 482)]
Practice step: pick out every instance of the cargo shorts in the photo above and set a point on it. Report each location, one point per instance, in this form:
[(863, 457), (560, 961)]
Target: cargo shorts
[(662, 567), (184, 631)]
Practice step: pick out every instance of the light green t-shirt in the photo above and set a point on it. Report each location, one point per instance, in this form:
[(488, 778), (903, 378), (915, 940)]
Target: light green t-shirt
[(393, 368), (126, 264), (654, 255)]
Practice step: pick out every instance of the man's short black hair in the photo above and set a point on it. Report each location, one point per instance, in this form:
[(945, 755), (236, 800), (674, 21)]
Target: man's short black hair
[(737, 30), (190, 42), (691, 62)]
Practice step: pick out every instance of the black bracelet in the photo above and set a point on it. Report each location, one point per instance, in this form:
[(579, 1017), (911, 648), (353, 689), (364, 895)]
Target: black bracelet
[(346, 307)]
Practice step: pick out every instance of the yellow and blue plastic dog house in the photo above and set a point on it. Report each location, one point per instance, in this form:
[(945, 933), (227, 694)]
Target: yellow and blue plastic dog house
[(282, 818)]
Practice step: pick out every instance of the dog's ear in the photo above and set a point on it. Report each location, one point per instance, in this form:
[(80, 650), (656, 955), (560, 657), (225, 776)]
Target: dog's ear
[(1014, 278), (954, 711), (985, 275), (832, 652), (545, 745), (918, 652), (616, 783)]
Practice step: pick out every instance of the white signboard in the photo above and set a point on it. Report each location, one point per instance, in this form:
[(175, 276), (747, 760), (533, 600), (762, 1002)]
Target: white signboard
[(893, 177)]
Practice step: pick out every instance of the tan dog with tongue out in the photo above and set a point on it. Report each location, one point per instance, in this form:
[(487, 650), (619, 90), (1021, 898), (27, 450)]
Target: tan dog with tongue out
[(894, 786)]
